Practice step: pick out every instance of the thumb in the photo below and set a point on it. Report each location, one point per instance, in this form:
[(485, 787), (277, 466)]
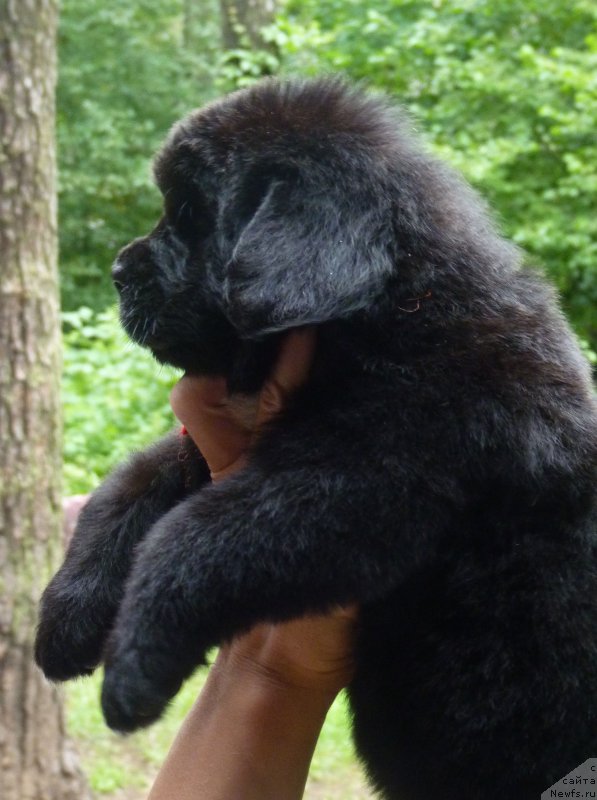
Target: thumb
[(290, 372), (201, 405)]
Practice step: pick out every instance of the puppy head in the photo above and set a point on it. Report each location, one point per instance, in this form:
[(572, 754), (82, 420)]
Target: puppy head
[(277, 213)]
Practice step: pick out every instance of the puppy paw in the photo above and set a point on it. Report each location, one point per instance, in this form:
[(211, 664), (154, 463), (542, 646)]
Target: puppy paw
[(137, 688), (71, 632)]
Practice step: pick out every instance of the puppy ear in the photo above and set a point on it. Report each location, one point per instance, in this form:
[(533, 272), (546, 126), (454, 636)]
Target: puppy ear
[(305, 254)]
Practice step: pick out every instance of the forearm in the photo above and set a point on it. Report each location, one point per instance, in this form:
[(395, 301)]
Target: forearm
[(249, 735)]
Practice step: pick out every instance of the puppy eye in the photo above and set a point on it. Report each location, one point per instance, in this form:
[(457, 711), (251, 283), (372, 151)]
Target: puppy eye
[(189, 217), (185, 215)]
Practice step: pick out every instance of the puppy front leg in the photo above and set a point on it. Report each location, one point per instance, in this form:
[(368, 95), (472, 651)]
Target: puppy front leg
[(254, 548), (79, 605)]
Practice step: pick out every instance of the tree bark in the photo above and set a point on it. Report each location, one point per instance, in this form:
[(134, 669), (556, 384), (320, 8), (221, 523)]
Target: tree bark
[(243, 22), (36, 760)]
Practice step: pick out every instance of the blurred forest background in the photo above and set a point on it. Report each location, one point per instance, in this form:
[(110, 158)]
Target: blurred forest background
[(507, 92)]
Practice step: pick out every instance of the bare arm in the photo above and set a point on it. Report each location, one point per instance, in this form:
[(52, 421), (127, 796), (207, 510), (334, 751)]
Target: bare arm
[(252, 732)]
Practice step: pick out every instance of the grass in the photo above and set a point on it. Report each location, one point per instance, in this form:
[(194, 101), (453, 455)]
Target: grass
[(125, 766)]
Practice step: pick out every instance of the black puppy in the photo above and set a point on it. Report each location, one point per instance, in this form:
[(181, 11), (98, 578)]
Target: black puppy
[(438, 468)]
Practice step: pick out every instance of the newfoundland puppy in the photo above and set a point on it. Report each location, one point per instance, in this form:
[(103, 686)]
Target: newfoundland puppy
[(438, 468)]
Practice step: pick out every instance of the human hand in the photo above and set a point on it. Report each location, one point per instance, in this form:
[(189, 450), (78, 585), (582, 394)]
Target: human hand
[(223, 426), (253, 729), (312, 652)]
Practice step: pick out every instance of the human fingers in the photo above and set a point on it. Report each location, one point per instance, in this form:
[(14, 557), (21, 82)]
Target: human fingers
[(290, 372), (314, 651), (201, 404), (205, 409)]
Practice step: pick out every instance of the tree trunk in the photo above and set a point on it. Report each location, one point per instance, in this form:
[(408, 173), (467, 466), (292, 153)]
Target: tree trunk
[(36, 762), (243, 22)]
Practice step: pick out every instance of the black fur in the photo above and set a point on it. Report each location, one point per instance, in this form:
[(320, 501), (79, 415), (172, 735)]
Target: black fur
[(438, 468)]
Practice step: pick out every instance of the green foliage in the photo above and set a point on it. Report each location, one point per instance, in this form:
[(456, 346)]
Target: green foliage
[(115, 397), (128, 71), (125, 77), (242, 67), (507, 91)]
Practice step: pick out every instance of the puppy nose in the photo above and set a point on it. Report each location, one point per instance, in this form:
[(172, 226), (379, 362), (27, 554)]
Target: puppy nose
[(118, 275)]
